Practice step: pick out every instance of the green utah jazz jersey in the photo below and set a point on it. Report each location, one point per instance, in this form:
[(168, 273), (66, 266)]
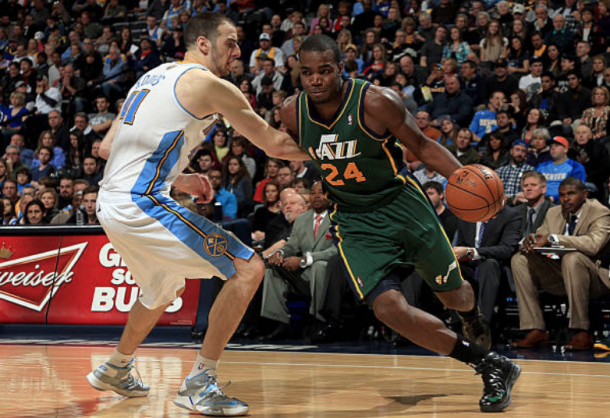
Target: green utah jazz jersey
[(359, 167)]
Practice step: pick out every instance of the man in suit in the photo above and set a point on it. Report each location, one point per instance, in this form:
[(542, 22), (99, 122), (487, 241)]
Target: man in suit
[(579, 223), (533, 210), (305, 254), (483, 248)]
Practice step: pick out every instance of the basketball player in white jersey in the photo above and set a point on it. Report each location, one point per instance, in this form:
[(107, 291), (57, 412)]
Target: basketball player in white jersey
[(147, 148)]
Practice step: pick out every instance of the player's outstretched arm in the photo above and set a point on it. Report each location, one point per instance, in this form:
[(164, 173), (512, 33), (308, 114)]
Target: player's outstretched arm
[(223, 97), (108, 138), (386, 106)]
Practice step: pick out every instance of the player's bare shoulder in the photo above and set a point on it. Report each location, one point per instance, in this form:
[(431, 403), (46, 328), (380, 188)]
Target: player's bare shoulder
[(383, 108), (197, 89), (288, 113)]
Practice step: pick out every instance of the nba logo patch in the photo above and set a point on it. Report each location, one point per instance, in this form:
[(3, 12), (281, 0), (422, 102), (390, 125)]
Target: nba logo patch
[(350, 120), (360, 282)]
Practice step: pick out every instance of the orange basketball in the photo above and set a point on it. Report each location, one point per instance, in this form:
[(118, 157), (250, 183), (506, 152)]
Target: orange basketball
[(474, 193)]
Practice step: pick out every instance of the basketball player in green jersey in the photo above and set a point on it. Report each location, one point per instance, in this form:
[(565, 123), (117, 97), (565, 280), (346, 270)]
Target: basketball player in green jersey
[(382, 220)]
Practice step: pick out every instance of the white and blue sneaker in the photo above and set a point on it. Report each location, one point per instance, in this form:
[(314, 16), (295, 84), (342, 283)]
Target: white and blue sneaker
[(201, 393), (118, 379)]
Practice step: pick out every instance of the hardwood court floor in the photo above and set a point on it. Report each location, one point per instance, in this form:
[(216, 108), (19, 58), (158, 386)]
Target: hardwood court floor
[(49, 381)]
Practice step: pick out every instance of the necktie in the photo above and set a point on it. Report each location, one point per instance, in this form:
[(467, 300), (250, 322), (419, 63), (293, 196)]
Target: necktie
[(317, 226), (530, 221), (572, 224)]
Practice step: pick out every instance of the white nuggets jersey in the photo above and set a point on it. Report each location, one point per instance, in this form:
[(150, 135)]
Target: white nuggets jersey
[(156, 135)]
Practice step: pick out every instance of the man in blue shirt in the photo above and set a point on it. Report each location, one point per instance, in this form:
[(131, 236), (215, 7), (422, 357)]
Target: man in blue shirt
[(560, 167), (222, 196), (484, 121)]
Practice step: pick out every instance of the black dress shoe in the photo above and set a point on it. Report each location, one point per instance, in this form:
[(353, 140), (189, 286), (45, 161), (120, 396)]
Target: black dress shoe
[(281, 332)]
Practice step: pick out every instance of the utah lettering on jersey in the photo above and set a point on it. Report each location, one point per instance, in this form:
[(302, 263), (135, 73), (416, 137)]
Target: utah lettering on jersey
[(331, 149)]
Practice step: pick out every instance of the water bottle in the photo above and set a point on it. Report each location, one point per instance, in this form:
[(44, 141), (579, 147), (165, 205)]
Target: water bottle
[(80, 218), (217, 212)]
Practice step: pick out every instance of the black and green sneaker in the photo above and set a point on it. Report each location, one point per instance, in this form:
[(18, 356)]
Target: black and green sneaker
[(603, 345), (499, 374)]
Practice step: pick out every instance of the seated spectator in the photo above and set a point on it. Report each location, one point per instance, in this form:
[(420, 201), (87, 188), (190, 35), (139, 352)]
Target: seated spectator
[(100, 122), (15, 115), (59, 129), (269, 211), (81, 123), (239, 148), (436, 194), (236, 180), (500, 81), (285, 177), (496, 154), (27, 155), (34, 213), (4, 173), (301, 262), (539, 151), (452, 103), (560, 167), (535, 120), (220, 139), (531, 83), (593, 155), (47, 139), (578, 223), (9, 190), (494, 46), (114, 66), (71, 88), (547, 100), (504, 122), (426, 175), (534, 203), (484, 121), (272, 167), (202, 162), (76, 153), (483, 249), (23, 176), (222, 197), (13, 159), (8, 212), (575, 101), (472, 84), (48, 197), (560, 36), (66, 192), (462, 148), (301, 170), (47, 98), (86, 208), (91, 171), (146, 57), (449, 130), (511, 173), (27, 195), (596, 117)]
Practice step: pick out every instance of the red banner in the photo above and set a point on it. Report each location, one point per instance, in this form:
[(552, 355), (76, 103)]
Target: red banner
[(74, 279)]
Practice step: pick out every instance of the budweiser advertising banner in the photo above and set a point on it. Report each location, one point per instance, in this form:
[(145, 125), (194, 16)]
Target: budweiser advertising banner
[(74, 279)]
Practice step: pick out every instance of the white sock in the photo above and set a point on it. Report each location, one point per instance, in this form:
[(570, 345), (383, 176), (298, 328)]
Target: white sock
[(119, 359), (201, 364)]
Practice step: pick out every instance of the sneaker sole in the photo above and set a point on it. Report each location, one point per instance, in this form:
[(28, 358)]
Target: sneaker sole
[(185, 402), (511, 382), (101, 386), (601, 346)]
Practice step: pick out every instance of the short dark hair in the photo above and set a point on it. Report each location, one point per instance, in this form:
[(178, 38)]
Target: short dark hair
[(573, 181), (322, 43), (471, 63), (91, 189), (575, 73), (549, 75), (204, 24), (434, 185)]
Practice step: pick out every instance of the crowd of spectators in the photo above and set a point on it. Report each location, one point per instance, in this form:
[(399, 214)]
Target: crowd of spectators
[(522, 87)]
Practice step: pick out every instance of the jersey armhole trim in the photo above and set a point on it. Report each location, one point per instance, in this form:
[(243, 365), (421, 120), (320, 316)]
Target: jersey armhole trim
[(176, 97), (361, 123), (299, 118)]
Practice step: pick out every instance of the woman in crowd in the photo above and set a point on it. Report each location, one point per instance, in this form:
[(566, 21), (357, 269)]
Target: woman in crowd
[(34, 213), (235, 179), (552, 59), (323, 13), (9, 217), (518, 61), (539, 151), (245, 86), (74, 161), (494, 46), (596, 117), (496, 154), (597, 72), (17, 114), (366, 50), (126, 42), (270, 210), (271, 168), (518, 104), (47, 139), (449, 130), (4, 172), (48, 197), (378, 64), (456, 48), (535, 120), (239, 147), (220, 139)]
